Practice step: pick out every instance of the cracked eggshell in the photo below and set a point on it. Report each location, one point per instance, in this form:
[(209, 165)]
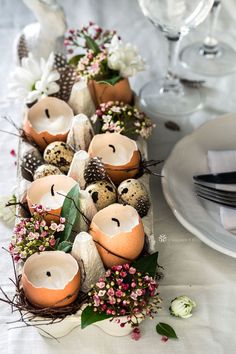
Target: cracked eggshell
[(102, 193), (120, 155), (134, 193), (44, 131), (59, 154), (118, 233)]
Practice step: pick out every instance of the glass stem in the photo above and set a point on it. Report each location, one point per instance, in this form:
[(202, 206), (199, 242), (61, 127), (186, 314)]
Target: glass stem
[(210, 45), (171, 81)]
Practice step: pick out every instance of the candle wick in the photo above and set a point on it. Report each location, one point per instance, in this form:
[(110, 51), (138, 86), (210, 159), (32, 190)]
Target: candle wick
[(116, 220), (48, 274), (47, 113), (113, 147), (52, 191)]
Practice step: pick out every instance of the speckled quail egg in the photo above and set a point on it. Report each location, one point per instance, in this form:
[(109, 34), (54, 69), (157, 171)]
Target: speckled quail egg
[(134, 193), (46, 170), (59, 154), (102, 193), (31, 160)]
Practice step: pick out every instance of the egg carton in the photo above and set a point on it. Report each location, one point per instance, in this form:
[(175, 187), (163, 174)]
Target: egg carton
[(23, 185), (62, 328)]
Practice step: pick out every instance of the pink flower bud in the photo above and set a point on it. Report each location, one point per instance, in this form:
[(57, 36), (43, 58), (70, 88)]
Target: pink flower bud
[(52, 242)]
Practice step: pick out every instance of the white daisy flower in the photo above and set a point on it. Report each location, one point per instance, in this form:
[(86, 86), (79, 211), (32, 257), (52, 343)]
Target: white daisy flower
[(33, 80)]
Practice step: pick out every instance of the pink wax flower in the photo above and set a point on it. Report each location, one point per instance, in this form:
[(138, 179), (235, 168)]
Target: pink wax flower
[(33, 235), (136, 334), (124, 291)]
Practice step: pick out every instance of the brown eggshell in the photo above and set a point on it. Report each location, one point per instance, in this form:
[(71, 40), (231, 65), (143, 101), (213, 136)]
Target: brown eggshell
[(126, 244), (50, 297), (42, 185), (120, 173), (43, 138), (117, 173), (102, 93)]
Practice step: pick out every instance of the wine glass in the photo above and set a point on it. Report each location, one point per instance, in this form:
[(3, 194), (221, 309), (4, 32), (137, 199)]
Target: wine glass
[(211, 58), (175, 18)]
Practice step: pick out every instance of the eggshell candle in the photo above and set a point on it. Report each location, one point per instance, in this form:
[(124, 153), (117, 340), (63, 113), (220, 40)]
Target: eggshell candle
[(119, 154), (118, 229), (103, 92), (51, 279), (45, 191), (48, 120)]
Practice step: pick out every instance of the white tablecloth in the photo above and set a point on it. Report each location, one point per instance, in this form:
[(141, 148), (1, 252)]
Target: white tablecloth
[(191, 267)]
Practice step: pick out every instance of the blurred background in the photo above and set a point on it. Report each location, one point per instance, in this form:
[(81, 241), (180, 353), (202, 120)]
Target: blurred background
[(122, 15)]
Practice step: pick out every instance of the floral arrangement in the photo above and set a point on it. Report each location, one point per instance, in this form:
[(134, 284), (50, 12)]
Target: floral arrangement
[(123, 118), (77, 39), (33, 235), (125, 291), (104, 56), (34, 79)]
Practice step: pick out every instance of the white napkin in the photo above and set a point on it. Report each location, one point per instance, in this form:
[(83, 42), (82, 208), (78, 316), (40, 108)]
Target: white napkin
[(224, 161)]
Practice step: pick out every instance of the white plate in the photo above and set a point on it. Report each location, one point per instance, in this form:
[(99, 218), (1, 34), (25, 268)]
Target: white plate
[(188, 158)]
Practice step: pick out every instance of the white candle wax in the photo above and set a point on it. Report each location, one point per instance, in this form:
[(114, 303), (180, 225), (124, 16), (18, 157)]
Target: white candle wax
[(114, 154), (53, 125), (50, 201), (116, 218), (51, 276), (113, 148)]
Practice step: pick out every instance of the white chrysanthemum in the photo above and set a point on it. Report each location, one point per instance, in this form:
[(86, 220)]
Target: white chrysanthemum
[(124, 58), (182, 306), (33, 80), (8, 213)]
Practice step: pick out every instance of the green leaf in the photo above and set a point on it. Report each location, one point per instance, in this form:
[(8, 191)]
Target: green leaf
[(70, 212), (89, 316), (166, 330), (74, 60), (64, 246), (92, 44), (111, 81), (147, 264)]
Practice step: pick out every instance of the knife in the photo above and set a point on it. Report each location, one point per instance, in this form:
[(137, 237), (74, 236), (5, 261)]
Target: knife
[(217, 178)]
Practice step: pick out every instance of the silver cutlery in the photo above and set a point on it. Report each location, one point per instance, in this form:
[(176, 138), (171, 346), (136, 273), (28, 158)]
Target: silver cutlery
[(223, 197), (216, 178)]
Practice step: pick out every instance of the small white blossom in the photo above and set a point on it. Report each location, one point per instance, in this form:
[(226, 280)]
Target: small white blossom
[(94, 118), (34, 79), (182, 306), (124, 58), (106, 118)]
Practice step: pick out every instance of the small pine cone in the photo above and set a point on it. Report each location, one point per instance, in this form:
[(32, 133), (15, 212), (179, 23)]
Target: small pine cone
[(95, 171), (143, 206)]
